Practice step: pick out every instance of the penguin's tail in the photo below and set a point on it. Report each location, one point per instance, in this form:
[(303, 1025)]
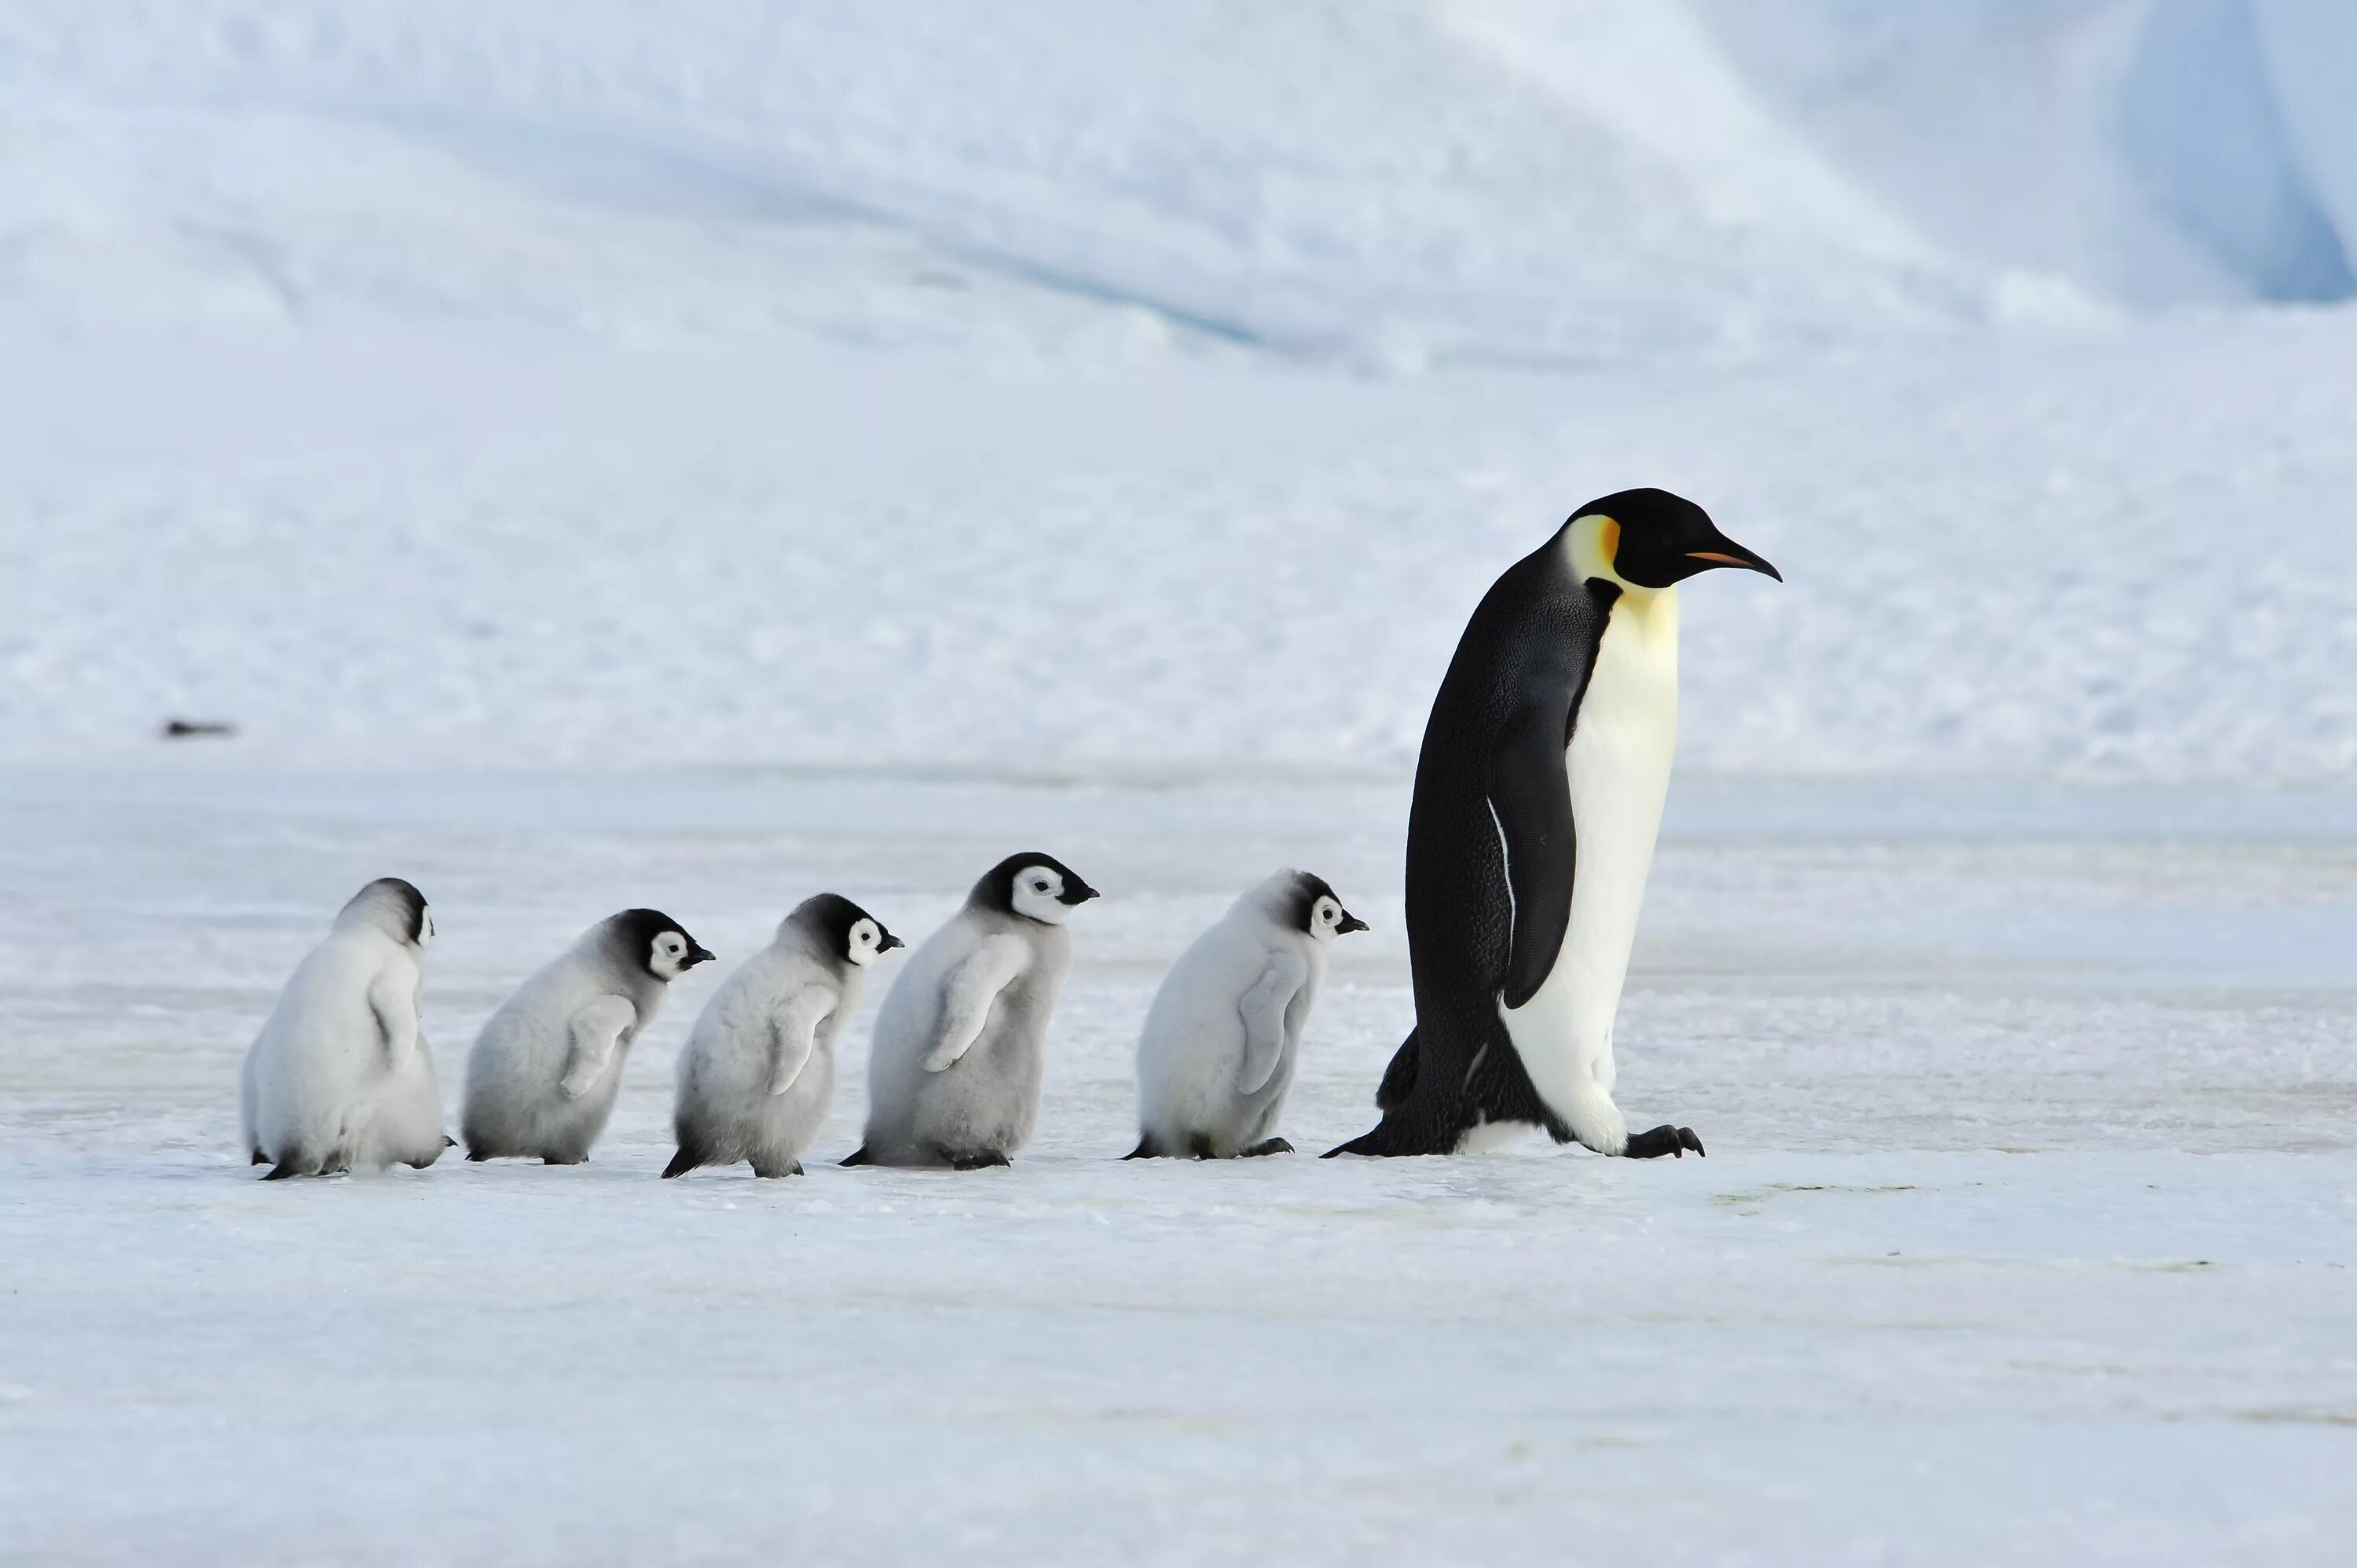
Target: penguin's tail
[(1381, 1140), (1396, 1088), (1399, 1079), (681, 1162), (859, 1156), (1148, 1149)]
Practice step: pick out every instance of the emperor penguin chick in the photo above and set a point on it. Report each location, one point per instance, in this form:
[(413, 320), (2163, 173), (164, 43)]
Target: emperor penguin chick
[(757, 1076), (340, 1074), (1217, 1054), (541, 1078), (954, 1077)]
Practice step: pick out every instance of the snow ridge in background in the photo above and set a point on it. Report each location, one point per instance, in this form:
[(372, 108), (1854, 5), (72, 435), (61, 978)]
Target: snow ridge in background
[(1107, 389)]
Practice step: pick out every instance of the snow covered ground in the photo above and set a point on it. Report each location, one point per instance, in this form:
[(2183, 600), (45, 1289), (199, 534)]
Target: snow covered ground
[(599, 454), (2028, 1232)]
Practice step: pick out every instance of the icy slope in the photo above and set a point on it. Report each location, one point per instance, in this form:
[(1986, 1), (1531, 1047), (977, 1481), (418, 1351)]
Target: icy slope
[(1385, 180), (578, 383), (2149, 150)]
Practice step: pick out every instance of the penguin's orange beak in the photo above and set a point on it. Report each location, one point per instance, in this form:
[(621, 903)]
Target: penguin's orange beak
[(1736, 556)]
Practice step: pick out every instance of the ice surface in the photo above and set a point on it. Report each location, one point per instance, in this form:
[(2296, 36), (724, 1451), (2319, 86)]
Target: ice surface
[(2027, 1233)]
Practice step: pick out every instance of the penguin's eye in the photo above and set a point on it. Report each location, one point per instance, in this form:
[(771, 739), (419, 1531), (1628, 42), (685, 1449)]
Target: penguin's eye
[(1039, 886)]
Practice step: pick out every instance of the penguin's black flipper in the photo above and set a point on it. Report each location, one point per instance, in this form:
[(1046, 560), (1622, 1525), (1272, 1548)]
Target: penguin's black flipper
[(858, 1157), (1530, 795), (1662, 1140)]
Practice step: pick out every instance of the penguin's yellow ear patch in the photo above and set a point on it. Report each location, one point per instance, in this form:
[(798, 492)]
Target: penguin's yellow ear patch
[(1608, 542)]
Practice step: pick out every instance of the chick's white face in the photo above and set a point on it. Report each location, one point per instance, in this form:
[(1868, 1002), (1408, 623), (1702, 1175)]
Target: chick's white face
[(1324, 919), (1039, 895), (669, 957), (866, 942)]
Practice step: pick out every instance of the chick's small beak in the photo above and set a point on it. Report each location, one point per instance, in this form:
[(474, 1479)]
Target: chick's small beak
[(1730, 553), (696, 953), (1351, 923), (889, 943), (1079, 893)]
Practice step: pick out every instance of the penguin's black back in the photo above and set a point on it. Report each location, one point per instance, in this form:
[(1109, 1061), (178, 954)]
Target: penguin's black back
[(1534, 637)]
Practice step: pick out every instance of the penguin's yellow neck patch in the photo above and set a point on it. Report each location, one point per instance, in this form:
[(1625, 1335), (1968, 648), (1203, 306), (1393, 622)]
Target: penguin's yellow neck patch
[(1595, 544)]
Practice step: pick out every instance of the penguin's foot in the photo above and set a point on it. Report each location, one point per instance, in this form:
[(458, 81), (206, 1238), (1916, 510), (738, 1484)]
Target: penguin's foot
[(1662, 1140), (978, 1162), (791, 1167), (1266, 1146), (477, 1155), (565, 1159)]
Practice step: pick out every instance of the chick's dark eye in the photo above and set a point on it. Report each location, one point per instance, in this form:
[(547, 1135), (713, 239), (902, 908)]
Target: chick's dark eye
[(1038, 887)]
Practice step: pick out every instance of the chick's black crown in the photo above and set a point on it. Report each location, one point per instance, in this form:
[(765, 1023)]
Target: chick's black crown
[(1307, 888), (831, 916), (404, 897), (633, 933), (997, 888)]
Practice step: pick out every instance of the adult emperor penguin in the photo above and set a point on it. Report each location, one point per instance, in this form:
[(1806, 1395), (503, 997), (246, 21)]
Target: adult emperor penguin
[(541, 1078), (953, 1076), (340, 1074), (1538, 795), (1217, 1053), (757, 1076)]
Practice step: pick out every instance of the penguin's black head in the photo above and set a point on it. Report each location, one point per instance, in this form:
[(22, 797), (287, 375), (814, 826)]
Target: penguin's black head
[(845, 929), (656, 943), (1314, 906), (393, 907), (1653, 539), (1035, 886)]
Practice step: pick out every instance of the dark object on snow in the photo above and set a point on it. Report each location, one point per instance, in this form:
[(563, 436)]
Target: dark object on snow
[(195, 729)]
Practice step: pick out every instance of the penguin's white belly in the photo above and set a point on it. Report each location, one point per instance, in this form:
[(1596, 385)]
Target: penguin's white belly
[(1618, 768)]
